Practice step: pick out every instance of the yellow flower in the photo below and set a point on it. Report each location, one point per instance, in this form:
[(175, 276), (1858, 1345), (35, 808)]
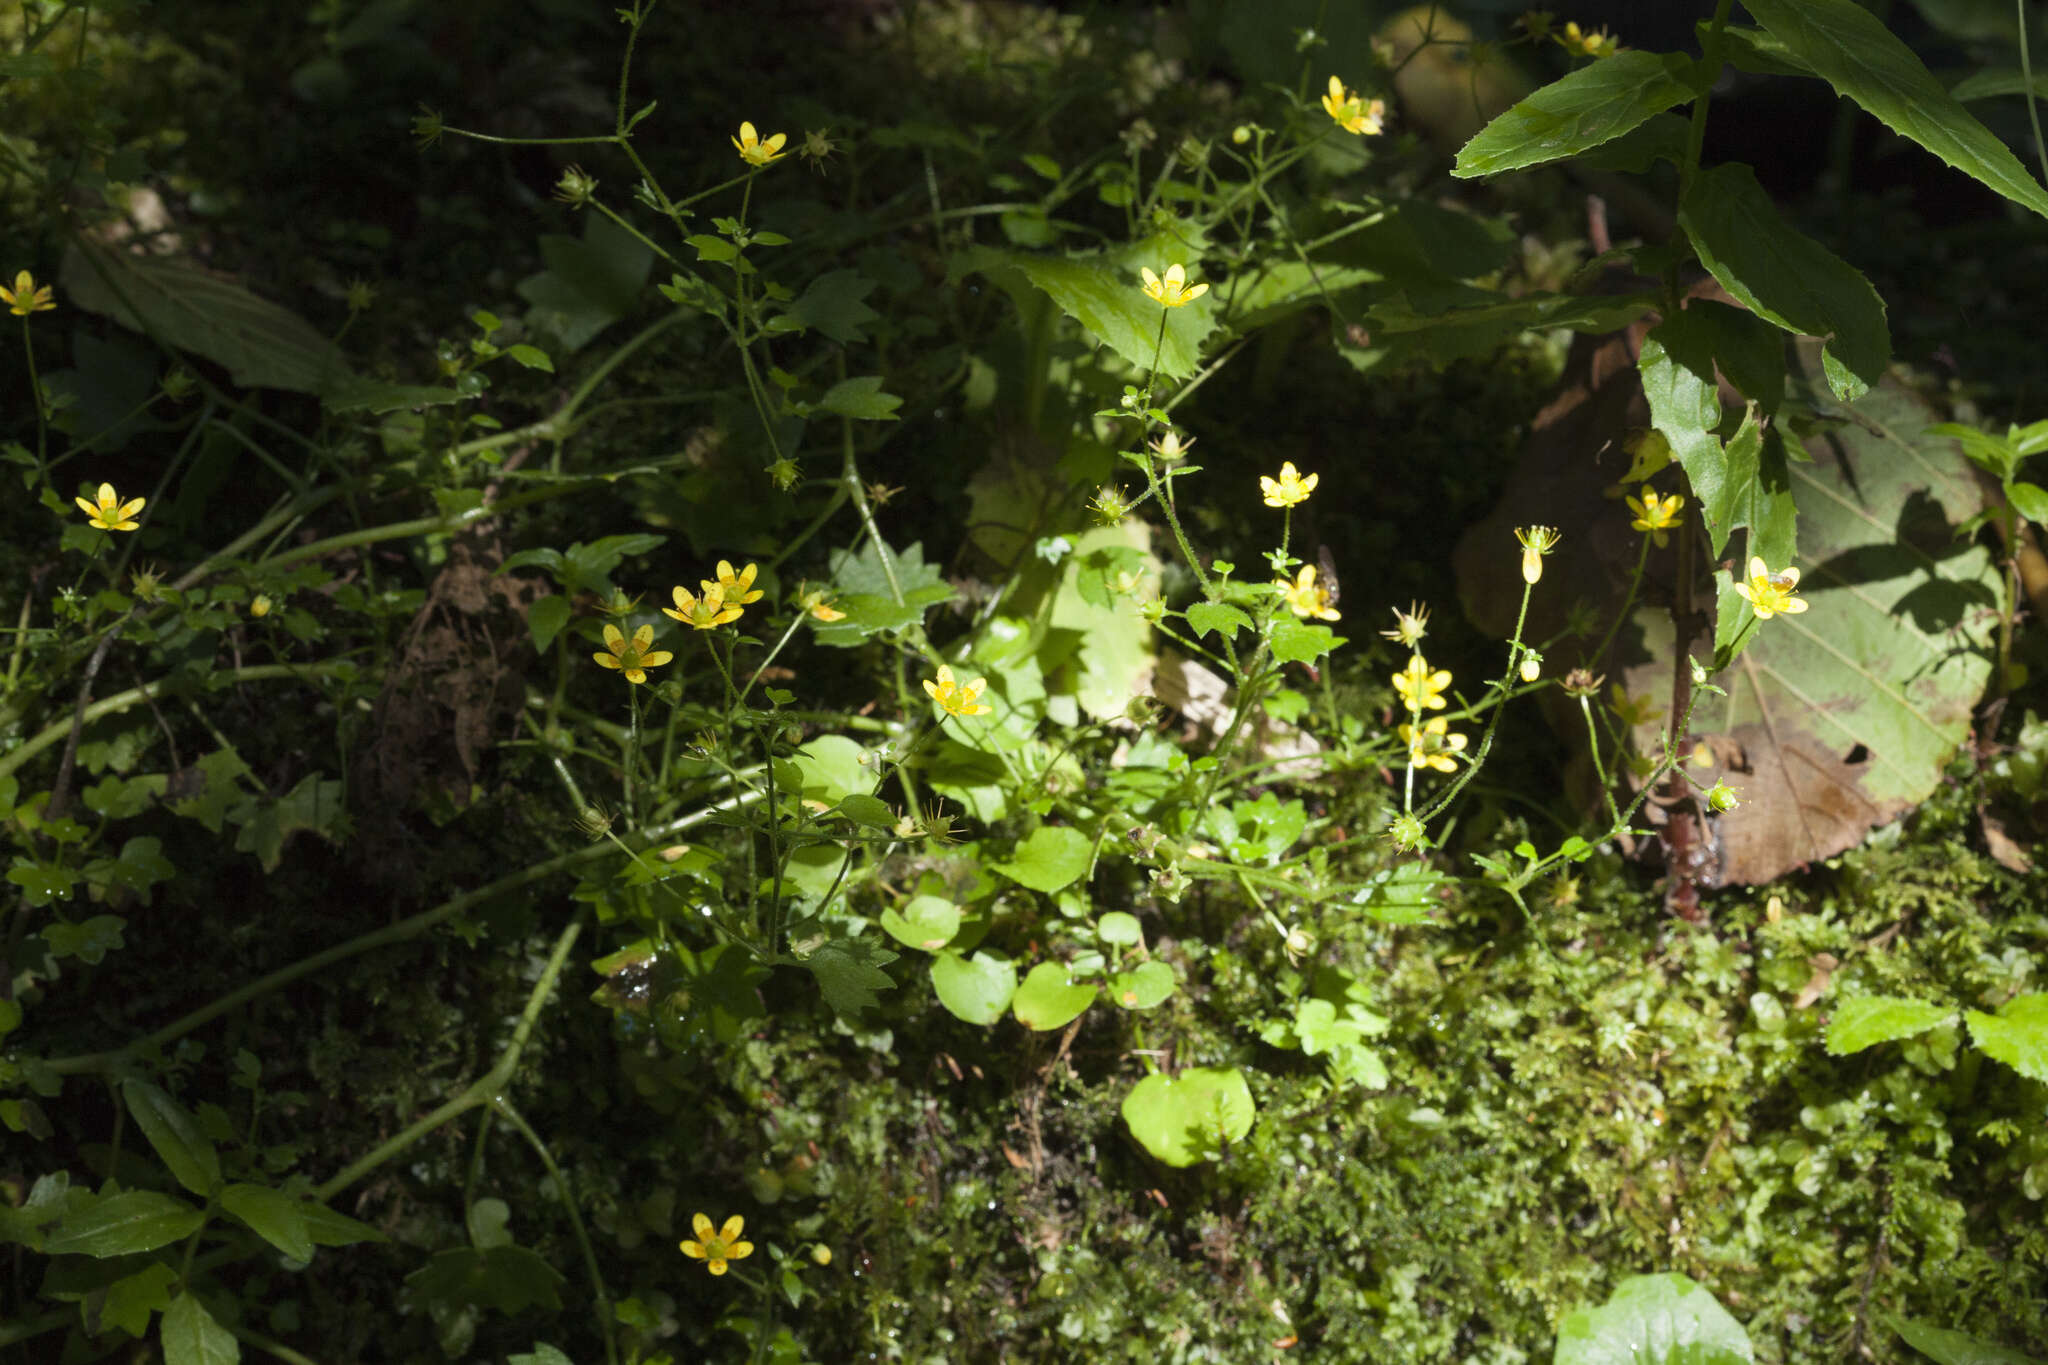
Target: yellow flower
[(1174, 290), (1421, 687), (814, 602), (1656, 516), (1305, 596), (703, 613), (110, 513), (735, 586), (1589, 43), (1409, 626), (27, 296), (1352, 113), (754, 151), (1431, 746), (1769, 594), (958, 699), (1290, 488), (715, 1248), (1537, 541), (633, 658)]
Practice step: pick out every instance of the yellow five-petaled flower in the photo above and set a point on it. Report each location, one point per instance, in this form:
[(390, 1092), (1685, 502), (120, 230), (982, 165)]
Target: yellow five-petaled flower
[(756, 151), (738, 589), (702, 613), (1352, 112), (1656, 516), (1429, 746), (1174, 290), (957, 699), (819, 606), (1305, 596), (1290, 488), (715, 1247), (110, 513), (1770, 594), (27, 296), (1420, 686), (631, 657)]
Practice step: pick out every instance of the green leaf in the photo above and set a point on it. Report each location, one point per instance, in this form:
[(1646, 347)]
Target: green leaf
[(545, 619), (710, 248), (1300, 642), (976, 989), (210, 788), (260, 344), (1738, 485), (1189, 1118), (191, 1336), (1220, 617), (1053, 857), (1786, 277), (862, 399), (1868, 1020), (132, 1298), (1048, 999), (326, 1228), (1653, 1320), (828, 769), (1406, 893), (509, 1279), (589, 284), (1851, 50), (927, 923), (89, 941), (179, 1141), (866, 810), (315, 805), (832, 304), (532, 357), (1594, 104), (1945, 1347), (1982, 85), (273, 1215), (1145, 986), (121, 1224), (849, 973), (2017, 1035), (2030, 500), (1119, 929), (541, 1354), (1104, 294)]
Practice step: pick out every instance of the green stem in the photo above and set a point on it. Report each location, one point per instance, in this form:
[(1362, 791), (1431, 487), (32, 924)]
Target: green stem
[(547, 1160)]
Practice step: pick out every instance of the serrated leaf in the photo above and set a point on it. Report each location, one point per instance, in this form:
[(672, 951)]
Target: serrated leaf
[(849, 974), (260, 344), (1219, 617), (190, 1336), (589, 283), (1852, 51), (1047, 999), (1865, 1021), (1594, 104), (832, 304), (175, 1135), (1054, 856), (2017, 1035), (1189, 1118), (862, 399), (1301, 642), (1654, 1320), (1784, 276), (976, 989)]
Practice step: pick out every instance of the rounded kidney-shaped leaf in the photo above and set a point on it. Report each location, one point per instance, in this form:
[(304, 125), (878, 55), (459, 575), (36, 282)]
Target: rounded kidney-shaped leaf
[(976, 989), (927, 923), (1047, 1000), (1653, 1320), (1189, 1118)]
